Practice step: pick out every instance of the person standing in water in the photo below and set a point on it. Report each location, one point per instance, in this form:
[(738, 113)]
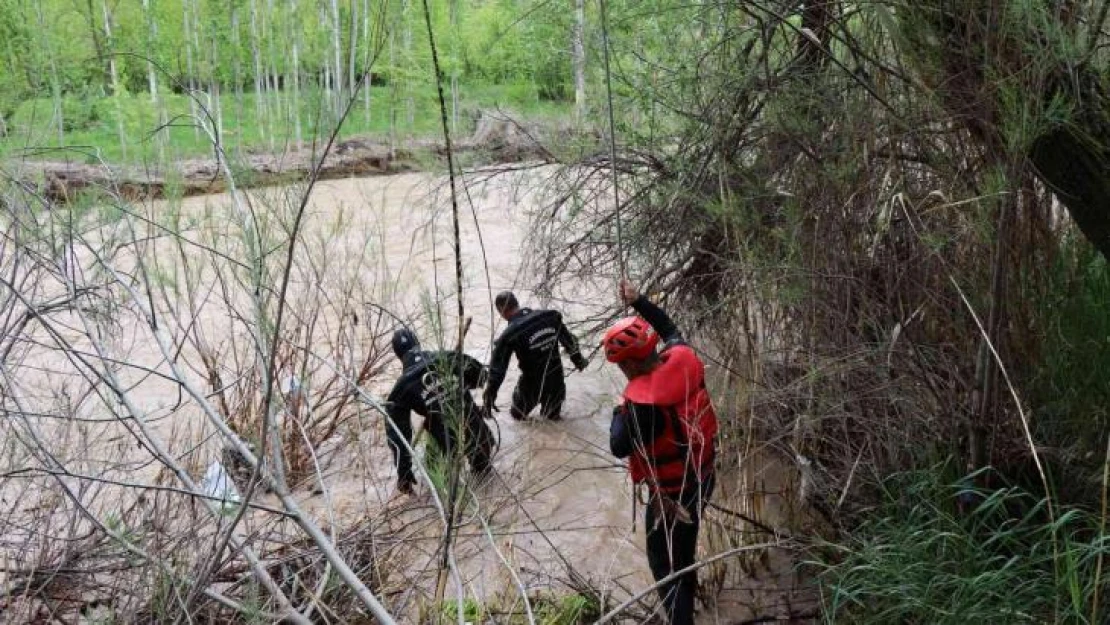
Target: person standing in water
[(429, 385), (534, 336), (666, 428)]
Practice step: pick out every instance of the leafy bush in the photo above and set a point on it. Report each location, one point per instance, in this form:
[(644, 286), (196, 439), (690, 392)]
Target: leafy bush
[(938, 552), (36, 114)]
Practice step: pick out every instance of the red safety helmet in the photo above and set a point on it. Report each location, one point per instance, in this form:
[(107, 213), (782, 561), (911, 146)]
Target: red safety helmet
[(631, 337)]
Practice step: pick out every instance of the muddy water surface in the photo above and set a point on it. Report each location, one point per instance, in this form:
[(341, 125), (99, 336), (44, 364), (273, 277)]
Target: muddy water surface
[(560, 501), (557, 516)]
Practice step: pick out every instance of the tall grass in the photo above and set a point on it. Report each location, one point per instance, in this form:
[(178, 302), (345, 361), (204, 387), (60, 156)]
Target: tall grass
[(941, 551), (1068, 387)]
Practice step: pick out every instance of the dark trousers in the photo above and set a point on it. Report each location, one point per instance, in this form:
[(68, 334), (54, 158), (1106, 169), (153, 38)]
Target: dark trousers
[(478, 437), (672, 546), (549, 392)]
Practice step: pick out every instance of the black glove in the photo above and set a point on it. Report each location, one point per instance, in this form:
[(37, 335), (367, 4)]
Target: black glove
[(579, 362)]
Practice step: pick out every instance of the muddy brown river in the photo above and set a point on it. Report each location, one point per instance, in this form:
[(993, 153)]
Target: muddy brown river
[(560, 507)]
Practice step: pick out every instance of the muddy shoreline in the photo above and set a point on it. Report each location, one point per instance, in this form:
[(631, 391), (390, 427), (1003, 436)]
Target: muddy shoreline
[(495, 140)]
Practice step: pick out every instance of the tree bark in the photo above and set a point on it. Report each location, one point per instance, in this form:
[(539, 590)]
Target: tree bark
[(337, 43), (115, 77), (98, 43), (259, 88), (352, 44), (55, 83), (454, 72), (1074, 161), (579, 58), (189, 32), (109, 48), (236, 64), (366, 58), (161, 138), (296, 107), (151, 43), (273, 84)]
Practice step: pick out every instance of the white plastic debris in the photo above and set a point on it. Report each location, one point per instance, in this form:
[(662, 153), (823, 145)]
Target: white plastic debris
[(290, 385), (218, 484)]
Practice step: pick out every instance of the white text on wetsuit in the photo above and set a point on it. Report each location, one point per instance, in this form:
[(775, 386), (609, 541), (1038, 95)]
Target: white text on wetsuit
[(542, 339)]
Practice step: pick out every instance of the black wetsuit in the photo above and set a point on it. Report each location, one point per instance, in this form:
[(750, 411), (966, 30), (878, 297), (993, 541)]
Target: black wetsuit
[(427, 387), (534, 336)]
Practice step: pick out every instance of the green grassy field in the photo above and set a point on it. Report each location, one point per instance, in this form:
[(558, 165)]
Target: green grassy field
[(124, 129)]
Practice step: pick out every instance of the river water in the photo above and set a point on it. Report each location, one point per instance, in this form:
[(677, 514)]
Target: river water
[(560, 500), (559, 513)]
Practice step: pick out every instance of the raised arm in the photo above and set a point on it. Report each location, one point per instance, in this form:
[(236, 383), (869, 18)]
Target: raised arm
[(651, 313)]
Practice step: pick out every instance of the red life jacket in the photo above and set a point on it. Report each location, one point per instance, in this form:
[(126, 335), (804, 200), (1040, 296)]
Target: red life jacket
[(683, 451)]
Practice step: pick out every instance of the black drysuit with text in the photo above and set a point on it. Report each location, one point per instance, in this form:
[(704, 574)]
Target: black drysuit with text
[(534, 336), (428, 386)]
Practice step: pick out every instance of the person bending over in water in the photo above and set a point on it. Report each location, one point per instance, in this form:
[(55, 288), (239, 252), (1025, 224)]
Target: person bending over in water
[(429, 385)]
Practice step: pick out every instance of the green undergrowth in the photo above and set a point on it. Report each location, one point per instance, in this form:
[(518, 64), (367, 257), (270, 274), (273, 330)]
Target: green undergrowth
[(570, 609), (1068, 389), (942, 551), (122, 129)]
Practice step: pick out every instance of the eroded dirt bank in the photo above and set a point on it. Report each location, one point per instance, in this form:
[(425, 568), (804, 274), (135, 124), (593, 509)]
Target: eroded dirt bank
[(496, 139)]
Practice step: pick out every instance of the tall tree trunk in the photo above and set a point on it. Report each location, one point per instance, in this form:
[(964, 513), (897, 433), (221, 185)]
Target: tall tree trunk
[(116, 95), (162, 136), (214, 91), (1073, 159), (98, 43), (407, 50), (296, 37), (55, 83), (237, 65), (579, 58), (337, 44), (273, 73), (256, 54), (455, 39), (393, 90), (366, 58), (109, 48), (352, 45), (151, 46), (188, 32)]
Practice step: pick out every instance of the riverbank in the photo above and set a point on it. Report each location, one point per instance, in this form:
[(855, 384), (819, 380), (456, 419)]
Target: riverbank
[(497, 138)]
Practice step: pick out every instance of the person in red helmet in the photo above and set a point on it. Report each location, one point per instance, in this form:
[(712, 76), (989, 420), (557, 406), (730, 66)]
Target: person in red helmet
[(666, 428)]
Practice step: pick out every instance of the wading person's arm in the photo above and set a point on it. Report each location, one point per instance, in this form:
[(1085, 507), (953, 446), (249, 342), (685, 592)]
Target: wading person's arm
[(498, 368), (570, 344)]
